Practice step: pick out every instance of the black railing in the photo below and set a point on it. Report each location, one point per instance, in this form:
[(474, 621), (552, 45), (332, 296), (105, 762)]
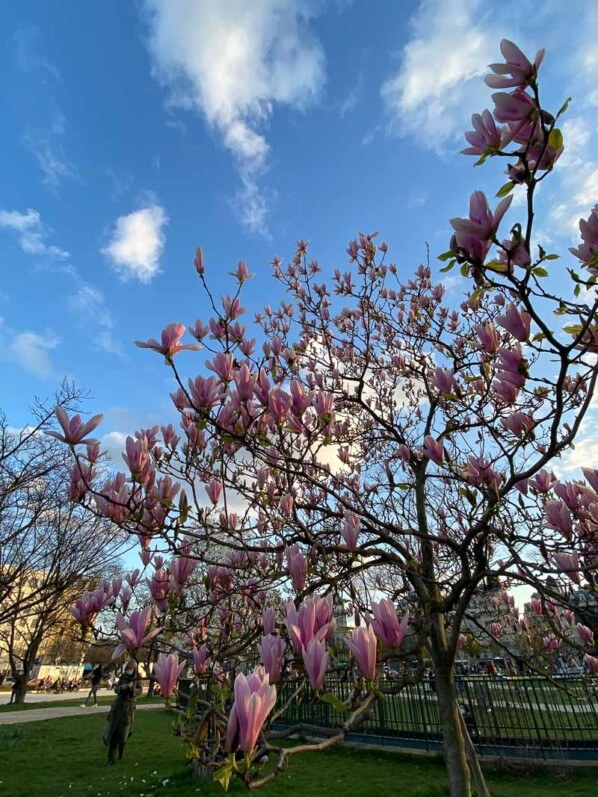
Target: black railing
[(516, 717)]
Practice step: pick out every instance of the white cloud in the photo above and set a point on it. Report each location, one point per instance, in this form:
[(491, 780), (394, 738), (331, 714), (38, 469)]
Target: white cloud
[(113, 443), (578, 185), (233, 62), (32, 233), (586, 56), (47, 147), (434, 93), (137, 242), (29, 349), (583, 455), (26, 56), (89, 306)]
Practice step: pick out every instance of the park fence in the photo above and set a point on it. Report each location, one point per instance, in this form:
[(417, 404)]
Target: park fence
[(519, 717)]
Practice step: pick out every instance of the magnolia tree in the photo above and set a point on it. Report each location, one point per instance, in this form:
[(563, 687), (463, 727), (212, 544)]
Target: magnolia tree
[(383, 450)]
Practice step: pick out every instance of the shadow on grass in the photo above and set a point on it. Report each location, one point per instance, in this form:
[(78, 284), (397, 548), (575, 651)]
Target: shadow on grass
[(66, 758)]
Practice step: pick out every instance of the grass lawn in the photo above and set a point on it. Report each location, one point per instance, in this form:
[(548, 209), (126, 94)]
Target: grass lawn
[(66, 758)]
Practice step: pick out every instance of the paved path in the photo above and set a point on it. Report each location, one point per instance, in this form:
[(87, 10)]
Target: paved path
[(57, 712), (43, 697)]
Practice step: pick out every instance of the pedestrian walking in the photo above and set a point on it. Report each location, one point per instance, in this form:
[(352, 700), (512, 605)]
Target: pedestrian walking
[(119, 723), (96, 676)]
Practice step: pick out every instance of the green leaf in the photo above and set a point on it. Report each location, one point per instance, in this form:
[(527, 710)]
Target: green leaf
[(448, 267), (563, 107), (540, 272), (464, 270), (223, 775), (446, 255), (552, 257), (333, 700), (555, 139), (506, 189), (496, 265), (573, 329)]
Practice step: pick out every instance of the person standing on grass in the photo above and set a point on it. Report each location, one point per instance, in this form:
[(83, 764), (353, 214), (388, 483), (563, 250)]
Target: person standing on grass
[(96, 677), (119, 723)]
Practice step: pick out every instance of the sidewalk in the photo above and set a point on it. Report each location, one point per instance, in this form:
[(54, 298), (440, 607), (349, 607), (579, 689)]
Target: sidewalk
[(57, 712), (43, 697)]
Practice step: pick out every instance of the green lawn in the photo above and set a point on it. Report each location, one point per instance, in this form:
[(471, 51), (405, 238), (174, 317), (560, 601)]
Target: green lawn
[(66, 758)]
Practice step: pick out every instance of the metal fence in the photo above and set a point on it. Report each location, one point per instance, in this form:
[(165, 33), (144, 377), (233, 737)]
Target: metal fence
[(510, 717)]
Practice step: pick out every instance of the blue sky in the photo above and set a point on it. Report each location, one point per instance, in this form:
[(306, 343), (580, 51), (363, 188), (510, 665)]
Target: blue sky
[(132, 132)]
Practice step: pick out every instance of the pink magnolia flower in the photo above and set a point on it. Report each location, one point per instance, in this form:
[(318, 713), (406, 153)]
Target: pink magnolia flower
[(585, 634), (488, 337), (170, 343), (313, 620), (297, 564), (232, 307), (159, 587), (351, 530), (300, 400), (223, 366), (89, 605), (201, 660), (516, 322), (286, 504), (363, 644), (461, 641), (181, 570), (515, 252), (543, 481), (591, 663), (515, 107), (386, 624), (205, 393), (133, 577), (496, 629), (444, 380), (214, 490), (485, 136), (125, 597), (591, 475), (269, 621), (254, 700), (518, 423), (136, 457), (517, 65), (568, 564), (133, 631), (558, 517), (272, 654), (82, 477), (551, 643), (433, 449), (316, 661), (511, 366), (587, 251), (167, 671), (75, 431), (475, 234), (241, 273)]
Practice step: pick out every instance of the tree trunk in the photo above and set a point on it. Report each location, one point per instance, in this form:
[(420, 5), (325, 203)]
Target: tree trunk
[(454, 743), (21, 685)]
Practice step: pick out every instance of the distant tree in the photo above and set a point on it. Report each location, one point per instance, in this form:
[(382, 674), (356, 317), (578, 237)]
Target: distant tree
[(50, 549)]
